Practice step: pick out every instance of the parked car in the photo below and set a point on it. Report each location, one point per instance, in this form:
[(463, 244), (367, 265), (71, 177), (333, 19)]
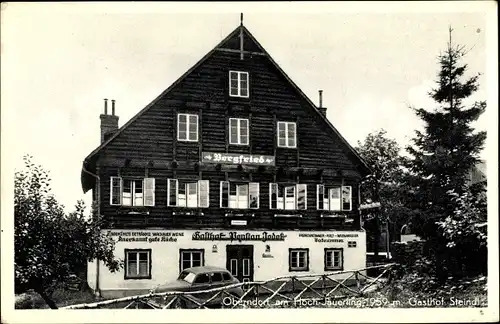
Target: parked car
[(201, 278)]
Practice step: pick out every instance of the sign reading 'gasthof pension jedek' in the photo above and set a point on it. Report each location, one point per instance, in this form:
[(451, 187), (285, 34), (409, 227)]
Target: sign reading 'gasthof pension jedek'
[(239, 237), (235, 158)]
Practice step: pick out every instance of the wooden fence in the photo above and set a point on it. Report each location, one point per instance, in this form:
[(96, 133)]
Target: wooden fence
[(275, 291)]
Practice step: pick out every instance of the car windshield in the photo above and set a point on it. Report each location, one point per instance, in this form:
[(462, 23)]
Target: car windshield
[(187, 276)]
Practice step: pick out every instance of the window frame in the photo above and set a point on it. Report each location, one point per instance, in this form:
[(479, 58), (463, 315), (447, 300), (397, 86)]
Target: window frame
[(239, 88), (138, 277), (238, 131), (326, 189), (148, 194), (281, 192), (186, 184), (187, 139), (238, 184), (298, 269), (181, 251), (341, 259), (286, 125)]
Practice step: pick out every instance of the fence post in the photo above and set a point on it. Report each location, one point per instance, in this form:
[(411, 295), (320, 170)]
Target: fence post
[(358, 284)]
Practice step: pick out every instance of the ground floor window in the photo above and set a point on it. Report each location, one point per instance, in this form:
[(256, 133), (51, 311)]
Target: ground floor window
[(298, 259), (189, 258), (334, 259), (138, 264)]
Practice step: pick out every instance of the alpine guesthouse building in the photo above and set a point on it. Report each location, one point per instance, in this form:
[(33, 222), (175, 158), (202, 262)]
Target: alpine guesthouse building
[(231, 166)]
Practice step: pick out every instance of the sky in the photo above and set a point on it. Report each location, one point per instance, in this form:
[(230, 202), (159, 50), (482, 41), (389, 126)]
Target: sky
[(373, 61)]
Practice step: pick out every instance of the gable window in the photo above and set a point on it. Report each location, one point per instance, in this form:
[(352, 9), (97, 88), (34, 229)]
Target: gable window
[(191, 258), (287, 134), (187, 127), (238, 131), (138, 264), (191, 194), (132, 192), (329, 198), (238, 84), (298, 260), (333, 259), (239, 195), (289, 197)]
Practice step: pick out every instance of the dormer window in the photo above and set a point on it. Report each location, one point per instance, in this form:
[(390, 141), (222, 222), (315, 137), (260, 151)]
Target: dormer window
[(187, 127), (238, 84)]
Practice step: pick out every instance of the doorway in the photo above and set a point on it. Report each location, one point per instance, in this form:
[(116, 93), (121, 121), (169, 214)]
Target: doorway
[(239, 261)]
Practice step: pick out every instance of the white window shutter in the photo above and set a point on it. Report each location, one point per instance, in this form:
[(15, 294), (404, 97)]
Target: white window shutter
[(203, 193), (149, 191), (115, 191)]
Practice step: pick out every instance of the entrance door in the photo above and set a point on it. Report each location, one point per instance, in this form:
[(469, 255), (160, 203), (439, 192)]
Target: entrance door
[(239, 261)]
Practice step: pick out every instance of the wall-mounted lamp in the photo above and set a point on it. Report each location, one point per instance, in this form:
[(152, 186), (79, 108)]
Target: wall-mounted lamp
[(268, 249), (214, 248)]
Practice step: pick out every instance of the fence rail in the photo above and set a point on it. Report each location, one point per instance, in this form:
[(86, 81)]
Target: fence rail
[(312, 287)]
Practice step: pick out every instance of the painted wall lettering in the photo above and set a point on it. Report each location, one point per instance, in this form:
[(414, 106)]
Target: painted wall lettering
[(239, 237), (148, 237)]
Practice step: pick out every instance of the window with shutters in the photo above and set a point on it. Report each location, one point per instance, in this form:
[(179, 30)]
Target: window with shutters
[(187, 127), (298, 260), (287, 134), (186, 193), (238, 131), (132, 192), (288, 197), (329, 198), (189, 258), (138, 264), (333, 259), (238, 84), (239, 195)]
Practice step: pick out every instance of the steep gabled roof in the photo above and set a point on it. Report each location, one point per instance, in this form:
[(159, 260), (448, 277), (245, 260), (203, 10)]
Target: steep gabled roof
[(228, 42)]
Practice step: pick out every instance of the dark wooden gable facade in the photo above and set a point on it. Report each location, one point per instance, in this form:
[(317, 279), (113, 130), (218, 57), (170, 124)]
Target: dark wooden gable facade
[(147, 147)]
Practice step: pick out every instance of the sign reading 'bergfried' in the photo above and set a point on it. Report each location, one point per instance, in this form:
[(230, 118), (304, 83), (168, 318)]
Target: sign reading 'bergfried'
[(234, 236), (234, 158)]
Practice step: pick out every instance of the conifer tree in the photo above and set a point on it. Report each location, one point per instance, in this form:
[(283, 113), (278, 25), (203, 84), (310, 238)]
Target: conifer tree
[(446, 151)]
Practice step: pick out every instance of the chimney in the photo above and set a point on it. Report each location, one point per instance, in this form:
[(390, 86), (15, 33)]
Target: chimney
[(321, 108), (109, 123)]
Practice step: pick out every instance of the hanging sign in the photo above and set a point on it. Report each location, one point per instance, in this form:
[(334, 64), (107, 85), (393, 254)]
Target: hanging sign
[(235, 158)]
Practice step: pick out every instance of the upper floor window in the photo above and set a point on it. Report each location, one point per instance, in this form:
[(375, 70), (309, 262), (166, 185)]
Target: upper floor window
[(187, 127), (287, 134), (288, 197), (239, 195), (238, 131), (238, 84), (187, 193), (132, 192), (330, 198)]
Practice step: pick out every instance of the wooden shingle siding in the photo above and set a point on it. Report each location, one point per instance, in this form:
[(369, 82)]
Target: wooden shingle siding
[(149, 146)]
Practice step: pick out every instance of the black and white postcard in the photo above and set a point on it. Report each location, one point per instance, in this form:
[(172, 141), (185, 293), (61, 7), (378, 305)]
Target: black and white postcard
[(284, 162)]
